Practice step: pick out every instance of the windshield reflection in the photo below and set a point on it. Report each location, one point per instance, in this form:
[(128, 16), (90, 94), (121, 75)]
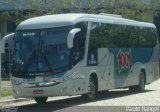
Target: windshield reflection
[(40, 51), (55, 53), (24, 50)]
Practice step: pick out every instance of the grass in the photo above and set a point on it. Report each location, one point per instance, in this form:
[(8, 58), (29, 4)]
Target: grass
[(6, 93), (6, 88)]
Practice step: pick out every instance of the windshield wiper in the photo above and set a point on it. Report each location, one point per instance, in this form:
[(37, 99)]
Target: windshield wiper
[(29, 61), (47, 63), (45, 58)]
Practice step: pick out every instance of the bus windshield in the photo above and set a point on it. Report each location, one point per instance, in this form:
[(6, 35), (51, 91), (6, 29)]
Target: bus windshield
[(40, 51)]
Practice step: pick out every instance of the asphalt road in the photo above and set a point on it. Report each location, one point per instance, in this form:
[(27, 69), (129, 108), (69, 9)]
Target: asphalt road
[(120, 100)]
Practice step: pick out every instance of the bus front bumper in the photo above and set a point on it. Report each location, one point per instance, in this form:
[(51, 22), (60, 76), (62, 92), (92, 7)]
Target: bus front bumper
[(61, 89)]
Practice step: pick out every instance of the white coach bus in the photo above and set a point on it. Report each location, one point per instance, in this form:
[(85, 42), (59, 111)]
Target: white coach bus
[(81, 54)]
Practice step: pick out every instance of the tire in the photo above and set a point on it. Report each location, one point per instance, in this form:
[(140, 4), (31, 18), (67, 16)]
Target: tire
[(132, 88), (41, 100), (91, 92), (142, 82)]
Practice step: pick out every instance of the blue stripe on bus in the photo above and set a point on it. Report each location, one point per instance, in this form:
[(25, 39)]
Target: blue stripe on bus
[(141, 55)]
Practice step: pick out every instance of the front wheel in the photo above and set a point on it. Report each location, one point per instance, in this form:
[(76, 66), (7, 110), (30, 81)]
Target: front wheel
[(91, 90), (40, 100)]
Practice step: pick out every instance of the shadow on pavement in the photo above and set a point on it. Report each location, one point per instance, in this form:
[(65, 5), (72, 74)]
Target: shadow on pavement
[(70, 104)]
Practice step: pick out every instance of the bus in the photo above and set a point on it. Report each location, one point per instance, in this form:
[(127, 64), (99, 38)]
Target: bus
[(82, 54)]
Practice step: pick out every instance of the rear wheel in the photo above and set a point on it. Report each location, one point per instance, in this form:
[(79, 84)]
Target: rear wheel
[(142, 82), (92, 90), (40, 100)]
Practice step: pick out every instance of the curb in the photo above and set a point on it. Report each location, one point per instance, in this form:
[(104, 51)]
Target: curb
[(15, 100)]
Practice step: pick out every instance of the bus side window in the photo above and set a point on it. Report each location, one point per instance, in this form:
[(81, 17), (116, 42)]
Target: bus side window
[(94, 35)]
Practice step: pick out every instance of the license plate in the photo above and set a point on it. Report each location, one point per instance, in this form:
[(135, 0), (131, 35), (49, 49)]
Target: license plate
[(39, 79), (38, 92)]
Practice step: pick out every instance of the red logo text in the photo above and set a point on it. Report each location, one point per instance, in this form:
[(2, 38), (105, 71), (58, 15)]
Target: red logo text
[(124, 60)]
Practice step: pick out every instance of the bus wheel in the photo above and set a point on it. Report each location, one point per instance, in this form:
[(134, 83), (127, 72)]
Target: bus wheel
[(40, 100), (142, 82), (91, 90)]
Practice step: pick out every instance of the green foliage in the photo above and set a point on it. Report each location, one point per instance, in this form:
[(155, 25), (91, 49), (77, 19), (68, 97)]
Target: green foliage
[(132, 9), (5, 16), (135, 9), (155, 4), (6, 93)]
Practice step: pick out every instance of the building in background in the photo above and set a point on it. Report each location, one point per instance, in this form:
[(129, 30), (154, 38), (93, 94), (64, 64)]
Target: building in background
[(6, 6)]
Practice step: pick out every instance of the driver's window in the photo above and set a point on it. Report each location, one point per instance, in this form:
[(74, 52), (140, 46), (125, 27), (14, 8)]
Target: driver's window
[(79, 42), (76, 48)]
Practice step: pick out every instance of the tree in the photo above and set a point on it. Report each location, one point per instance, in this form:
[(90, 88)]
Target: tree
[(155, 4), (134, 9)]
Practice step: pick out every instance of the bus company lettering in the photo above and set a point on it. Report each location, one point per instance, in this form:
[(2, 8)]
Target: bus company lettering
[(124, 59), (92, 59)]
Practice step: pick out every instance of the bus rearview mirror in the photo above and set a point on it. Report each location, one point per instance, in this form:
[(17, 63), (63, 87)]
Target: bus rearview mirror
[(71, 36)]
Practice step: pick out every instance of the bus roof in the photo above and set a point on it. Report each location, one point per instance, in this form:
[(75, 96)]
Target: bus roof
[(59, 20)]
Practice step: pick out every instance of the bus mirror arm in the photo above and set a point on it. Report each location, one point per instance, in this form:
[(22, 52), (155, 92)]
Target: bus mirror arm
[(71, 36)]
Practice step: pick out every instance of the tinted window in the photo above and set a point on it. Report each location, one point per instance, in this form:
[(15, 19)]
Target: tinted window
[(79, 42), (103, 35)]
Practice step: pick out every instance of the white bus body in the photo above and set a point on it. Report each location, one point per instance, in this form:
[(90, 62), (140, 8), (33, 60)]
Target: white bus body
[(73, 54)]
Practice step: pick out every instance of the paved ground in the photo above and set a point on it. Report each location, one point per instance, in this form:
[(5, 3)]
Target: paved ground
[(104, 101)]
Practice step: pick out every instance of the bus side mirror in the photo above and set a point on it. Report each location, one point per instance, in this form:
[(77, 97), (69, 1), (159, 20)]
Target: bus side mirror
[(71, 36), (3, 43)]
